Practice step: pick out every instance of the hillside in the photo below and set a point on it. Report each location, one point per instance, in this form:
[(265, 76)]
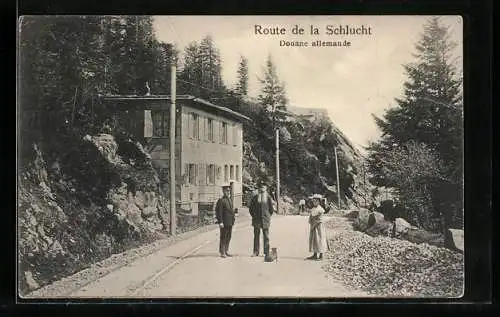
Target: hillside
[(100, 198), (307, 157)]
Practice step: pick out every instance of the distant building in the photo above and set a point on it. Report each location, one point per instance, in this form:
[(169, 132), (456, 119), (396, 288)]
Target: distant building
[(209, 144), (315, 113)]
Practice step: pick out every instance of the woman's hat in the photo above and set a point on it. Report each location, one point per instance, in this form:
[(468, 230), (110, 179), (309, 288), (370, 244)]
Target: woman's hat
[(317, 196)]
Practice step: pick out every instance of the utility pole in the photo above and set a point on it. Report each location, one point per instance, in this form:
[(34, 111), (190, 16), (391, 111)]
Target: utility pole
[(277, 170), (277, 144), (337, 172), (173, 187), (364, 181)]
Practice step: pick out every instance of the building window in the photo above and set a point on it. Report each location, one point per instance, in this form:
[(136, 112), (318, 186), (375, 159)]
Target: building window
[(238, 173), (219, 172), (235, 134), (210, 130), (231, 172), (194, 126), (226, 173), (161, 123), (192, 172), (223, 133), (210, 174), (202, 179)]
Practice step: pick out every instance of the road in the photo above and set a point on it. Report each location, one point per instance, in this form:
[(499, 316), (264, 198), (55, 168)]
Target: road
[(193, 268)]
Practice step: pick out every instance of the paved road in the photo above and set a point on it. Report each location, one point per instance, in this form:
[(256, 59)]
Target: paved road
[(193, 268)]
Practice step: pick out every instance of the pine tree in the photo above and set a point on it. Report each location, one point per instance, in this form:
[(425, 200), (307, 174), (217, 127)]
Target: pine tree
[(211, 69), (190, 76), (67, 61), (242, 79), (430, 110), (165, 55), (273, 95), (61, 62), (429, 113)]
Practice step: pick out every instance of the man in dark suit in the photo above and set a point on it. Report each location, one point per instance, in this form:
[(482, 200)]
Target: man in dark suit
[(261, 209), (225, 214)]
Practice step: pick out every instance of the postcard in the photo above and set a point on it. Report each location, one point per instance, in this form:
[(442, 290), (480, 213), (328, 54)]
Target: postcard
[(240, 157)]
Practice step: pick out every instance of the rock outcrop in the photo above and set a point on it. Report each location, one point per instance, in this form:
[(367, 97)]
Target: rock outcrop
[(402, 227), (102, 199), (454, 239), (374, 224)]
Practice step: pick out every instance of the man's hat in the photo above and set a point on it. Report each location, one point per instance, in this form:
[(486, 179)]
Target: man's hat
[(225, 186)]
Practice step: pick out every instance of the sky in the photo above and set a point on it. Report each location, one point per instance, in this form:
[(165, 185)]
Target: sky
[(351, 83)]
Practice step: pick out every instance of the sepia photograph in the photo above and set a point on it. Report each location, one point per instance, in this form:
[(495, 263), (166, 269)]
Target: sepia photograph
[(240, 157)]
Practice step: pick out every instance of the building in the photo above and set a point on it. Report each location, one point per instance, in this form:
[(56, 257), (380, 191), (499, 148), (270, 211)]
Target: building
[(208, 144), (315, 113)]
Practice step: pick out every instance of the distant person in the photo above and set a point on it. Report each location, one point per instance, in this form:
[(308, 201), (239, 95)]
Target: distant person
[(373, 207), (261, 210), (302, 205), (317, 235), (326, 206), (225, 214)]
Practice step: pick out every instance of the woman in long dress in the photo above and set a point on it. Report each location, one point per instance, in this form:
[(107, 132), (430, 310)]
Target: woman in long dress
[(317, 234)]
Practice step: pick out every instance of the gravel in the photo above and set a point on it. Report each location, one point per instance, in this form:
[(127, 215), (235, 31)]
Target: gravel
[(389, 267)]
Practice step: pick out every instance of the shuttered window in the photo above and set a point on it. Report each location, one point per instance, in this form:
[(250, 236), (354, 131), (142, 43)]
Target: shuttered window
[(223, 133), (210, 130), (210, 174), (226, 173), (194, 126), (192, 173), (202, 179), (160, 121)]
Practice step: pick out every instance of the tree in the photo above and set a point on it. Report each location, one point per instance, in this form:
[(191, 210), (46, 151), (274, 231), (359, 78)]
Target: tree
[(242, 79), (211, 69), (165, 55), (67, 61), (61, 62), (202, 71), (130, 45), (273, 95), (430, 110), (413, 170), (428, 113)]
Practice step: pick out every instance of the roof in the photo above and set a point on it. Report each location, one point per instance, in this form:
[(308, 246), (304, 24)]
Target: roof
[(193, 99)]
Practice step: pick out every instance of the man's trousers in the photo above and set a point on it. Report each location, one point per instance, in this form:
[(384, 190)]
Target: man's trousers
[(256, 240), (225, 238)]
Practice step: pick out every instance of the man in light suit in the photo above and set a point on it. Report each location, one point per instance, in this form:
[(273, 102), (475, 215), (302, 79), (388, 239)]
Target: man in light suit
[(225, 214), (261, 209)]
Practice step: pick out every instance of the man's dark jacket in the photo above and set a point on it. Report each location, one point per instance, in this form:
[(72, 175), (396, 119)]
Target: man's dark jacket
[(261, 212), (224, 211)]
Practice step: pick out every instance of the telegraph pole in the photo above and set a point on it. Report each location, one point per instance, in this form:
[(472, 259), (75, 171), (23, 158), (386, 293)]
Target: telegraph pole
[(364, 181), (277, 144), (337, 172), (173, 186), (277, 170)]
